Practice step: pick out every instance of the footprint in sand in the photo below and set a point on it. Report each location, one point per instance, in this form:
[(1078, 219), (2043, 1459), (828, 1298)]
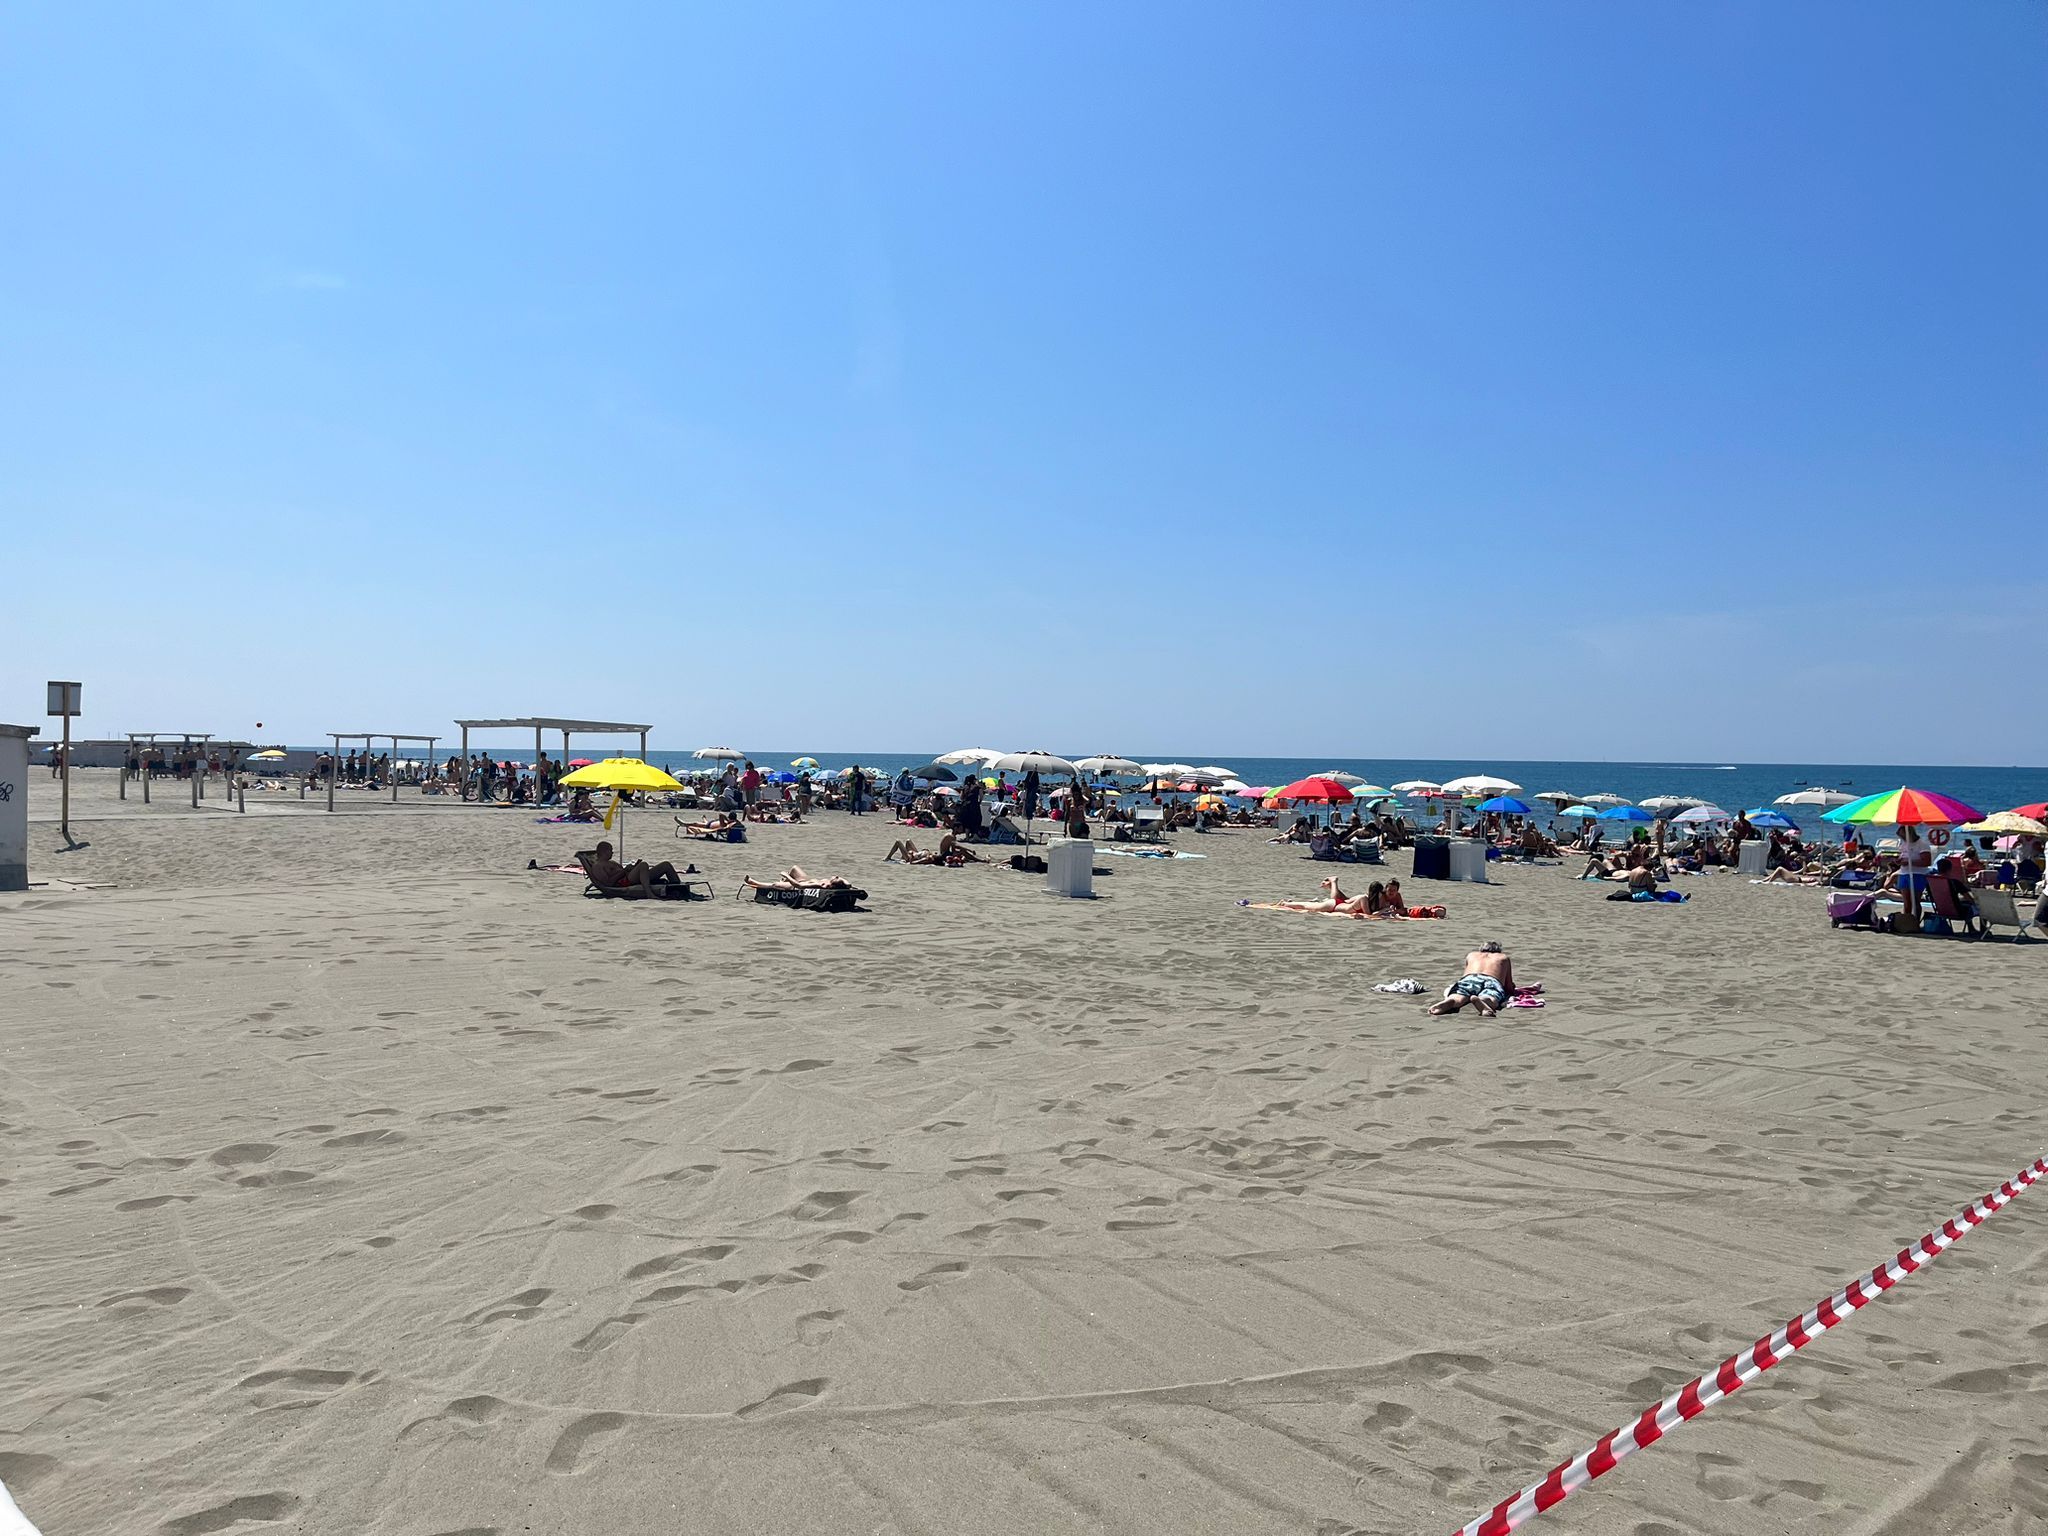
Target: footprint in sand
[(673, 1261), (142, 1301), (153, 1202), (1005, 1227), (295, 1388), (572, 1450), (938, 1274), (250, 1508), (822, 1204), (515, 1308), (466, 1416), (815, 1328), (798, 1394), (380, 1138), (243, 1152), (607, 1333)]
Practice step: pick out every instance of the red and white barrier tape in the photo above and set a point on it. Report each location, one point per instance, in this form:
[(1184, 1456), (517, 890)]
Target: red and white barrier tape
[(1738, 1371)]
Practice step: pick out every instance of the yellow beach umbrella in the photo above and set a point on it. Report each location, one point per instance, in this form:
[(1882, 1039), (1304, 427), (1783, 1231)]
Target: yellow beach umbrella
[(270, 756), (2010, 823), (622, 775)]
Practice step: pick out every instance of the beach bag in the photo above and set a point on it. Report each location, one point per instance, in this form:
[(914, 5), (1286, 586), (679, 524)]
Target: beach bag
[(1027, 863)]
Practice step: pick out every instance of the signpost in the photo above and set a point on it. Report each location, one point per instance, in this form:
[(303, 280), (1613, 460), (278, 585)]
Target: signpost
[(63, 700)]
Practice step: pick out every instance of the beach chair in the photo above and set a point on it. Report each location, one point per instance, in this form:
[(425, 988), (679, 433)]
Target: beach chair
[(1150, 825), (679, 892), (736, 834), (1951, 903), (1999, 909)]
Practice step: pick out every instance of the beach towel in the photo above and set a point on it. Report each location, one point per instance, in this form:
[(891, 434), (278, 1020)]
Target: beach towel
[(1526, 997), (1149, 853), (549, 821), (1407, 986)]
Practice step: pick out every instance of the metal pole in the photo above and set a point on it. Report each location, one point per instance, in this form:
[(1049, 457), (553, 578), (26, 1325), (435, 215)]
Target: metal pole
[(64, 814), (462, 784), (333, 763), (144, 755), (643, 746), (394, 770)]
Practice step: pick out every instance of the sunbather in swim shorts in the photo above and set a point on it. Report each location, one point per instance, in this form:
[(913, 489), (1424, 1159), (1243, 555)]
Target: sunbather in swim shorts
[(1484, 989)]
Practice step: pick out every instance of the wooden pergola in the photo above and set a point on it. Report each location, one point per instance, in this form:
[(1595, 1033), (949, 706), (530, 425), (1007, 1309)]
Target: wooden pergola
[(140, 742), (539, 723), (366, 737)]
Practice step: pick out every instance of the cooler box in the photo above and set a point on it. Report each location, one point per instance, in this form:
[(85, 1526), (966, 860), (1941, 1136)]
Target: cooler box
[(1070, 866), (1468, 860), (1432, 858)]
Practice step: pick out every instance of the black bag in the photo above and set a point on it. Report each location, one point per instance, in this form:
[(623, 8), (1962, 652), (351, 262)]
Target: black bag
[(1029, 863)]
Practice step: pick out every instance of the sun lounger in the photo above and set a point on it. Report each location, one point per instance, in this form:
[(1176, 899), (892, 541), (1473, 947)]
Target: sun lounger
[(680, 891), (1999, 909)]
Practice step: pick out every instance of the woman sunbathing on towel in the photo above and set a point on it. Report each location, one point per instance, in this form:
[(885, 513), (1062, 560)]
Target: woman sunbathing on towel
[(948, 852), (794, 879), (1334, 904), (717, 827)]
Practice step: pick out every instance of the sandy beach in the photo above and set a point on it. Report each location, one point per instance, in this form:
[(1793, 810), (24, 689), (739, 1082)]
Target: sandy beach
[(355, 1179)]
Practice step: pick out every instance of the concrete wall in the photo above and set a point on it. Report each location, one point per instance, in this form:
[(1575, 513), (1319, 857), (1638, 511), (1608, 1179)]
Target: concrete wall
[(14, 807)]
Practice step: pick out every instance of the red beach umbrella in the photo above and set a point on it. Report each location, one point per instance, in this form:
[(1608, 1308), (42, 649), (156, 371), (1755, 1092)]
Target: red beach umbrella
[(1316, 789), (2038, 810)]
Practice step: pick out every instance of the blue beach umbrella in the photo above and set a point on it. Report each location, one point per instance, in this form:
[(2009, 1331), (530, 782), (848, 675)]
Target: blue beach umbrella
[(1506, 805), (1770, 820), (1579, 812), (1626, 813)]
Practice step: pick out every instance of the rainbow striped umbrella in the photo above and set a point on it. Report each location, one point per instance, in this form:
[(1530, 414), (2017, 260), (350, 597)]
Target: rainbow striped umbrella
[(1904, 808)]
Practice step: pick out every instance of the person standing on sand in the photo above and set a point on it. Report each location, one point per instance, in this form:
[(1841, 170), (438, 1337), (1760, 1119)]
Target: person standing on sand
[(855, 784), (1028, 792), (1488, 983)]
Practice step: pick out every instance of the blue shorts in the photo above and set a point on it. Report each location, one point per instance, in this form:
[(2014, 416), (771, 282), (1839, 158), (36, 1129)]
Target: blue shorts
[(1485, 989)]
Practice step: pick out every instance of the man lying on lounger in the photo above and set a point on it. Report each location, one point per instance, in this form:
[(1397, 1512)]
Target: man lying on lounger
[(608, 871), (1488, 983)]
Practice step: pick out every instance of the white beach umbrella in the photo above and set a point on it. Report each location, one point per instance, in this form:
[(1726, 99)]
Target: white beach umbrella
[(1109, 767), (1826, 799), (1481, 784), (719, 755), (1416, 787), (1697, 815), (1662, 803), (1233, 787), (1025, 762), (1214, 772), (1167, 770), (981, 757), (1339, 776), (1605, 799), (1558, 797)]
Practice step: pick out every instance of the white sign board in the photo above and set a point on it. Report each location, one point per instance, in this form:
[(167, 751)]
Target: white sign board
[(64, 699)]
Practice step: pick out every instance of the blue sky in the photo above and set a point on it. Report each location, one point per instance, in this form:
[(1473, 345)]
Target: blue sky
[(1267, 380)]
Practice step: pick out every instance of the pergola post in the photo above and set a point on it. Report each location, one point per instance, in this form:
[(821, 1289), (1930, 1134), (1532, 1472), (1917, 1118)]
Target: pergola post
[(394, 770), (143, 754), (333, 767), (462, 781), (643, 746)]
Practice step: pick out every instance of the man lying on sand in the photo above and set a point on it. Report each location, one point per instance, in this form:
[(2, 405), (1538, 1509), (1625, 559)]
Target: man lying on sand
[(606, 870), (1488, 983)]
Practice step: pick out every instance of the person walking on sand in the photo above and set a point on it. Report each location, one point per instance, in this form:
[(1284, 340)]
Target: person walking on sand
[(1488, 983), (855, 784)]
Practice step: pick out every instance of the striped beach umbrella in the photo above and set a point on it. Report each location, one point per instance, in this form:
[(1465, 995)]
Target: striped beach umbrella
[(1904, 808)]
